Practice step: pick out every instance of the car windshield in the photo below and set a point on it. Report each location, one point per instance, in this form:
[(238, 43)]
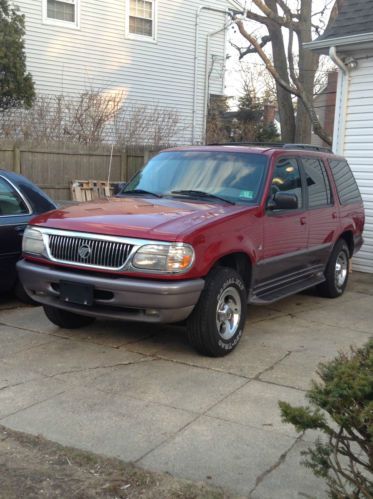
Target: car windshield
[(217, 176)]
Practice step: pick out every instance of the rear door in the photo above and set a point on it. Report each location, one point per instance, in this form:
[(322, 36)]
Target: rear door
[(14, 216), (285, 232), (323, 217)]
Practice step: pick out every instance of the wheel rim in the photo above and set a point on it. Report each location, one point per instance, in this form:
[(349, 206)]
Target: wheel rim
[(228, 313), (341, 270)]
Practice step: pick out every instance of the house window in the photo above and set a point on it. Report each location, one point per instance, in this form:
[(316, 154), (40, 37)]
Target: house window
[(141, 22), (61, 12)]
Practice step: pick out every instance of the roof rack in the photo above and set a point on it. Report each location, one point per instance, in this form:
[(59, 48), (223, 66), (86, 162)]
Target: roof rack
[(308, 147), (305, 147)]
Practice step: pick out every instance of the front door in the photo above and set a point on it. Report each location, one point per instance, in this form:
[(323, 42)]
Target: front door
[(285, 232)]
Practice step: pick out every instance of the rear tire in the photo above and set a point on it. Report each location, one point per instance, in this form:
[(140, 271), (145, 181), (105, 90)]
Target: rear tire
[(66, 319), (337, 272), (216, 324)]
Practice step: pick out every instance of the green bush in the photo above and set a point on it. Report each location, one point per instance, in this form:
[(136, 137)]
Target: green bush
[(341, 407)]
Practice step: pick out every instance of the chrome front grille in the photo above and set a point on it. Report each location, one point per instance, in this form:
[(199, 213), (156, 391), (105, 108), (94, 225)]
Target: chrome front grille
[(89, 252)]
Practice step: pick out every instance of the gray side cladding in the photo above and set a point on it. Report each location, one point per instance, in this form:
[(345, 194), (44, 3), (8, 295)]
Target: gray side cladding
[(356, 17)]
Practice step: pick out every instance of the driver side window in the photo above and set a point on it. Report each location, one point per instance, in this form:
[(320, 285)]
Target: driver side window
[(287, 178)]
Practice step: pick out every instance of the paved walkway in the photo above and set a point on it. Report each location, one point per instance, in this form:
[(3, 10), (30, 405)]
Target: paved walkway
[(140, 393)]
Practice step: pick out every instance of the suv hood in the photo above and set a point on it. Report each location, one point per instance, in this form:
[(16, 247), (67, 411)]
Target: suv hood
[(162, 219)]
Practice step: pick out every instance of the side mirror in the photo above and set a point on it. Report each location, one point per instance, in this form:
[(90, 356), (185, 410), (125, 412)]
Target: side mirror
[(283, 201), (118, 187)]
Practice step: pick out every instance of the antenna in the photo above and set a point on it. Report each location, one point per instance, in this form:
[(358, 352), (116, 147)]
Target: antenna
[(110, 163)]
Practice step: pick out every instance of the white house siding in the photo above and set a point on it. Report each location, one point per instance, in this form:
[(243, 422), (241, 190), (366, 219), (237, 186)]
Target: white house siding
[(358, 147), (98, 55)]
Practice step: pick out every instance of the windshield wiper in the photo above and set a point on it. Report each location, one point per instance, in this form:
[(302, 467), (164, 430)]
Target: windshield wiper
[(141, 192), (201, 194)]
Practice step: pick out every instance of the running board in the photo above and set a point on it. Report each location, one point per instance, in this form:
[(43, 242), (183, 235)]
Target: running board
[(272, 296)]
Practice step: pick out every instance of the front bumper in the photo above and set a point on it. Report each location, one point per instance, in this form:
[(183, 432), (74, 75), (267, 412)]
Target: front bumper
[(115, 298)]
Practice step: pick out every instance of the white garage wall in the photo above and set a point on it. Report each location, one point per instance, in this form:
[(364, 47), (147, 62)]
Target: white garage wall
[(358, 147)]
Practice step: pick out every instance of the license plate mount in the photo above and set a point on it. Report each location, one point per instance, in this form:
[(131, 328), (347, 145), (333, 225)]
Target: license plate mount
[(78, 294)]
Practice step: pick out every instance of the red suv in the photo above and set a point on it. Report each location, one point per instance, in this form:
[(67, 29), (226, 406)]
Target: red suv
[(196, 235)]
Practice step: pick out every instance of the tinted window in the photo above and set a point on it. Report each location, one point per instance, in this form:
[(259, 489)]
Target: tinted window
[(318, 186), (347, 188), (237, 177), (286, 178), (10, 201)]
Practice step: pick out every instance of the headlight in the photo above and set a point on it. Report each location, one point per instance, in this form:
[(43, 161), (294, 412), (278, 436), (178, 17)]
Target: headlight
[(33, 242), (172, 258)]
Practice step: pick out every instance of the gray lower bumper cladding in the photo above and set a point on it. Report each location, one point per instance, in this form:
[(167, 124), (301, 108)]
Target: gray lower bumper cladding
[(115, 298)]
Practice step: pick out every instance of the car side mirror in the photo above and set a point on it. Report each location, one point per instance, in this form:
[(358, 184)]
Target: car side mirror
[(118, 187), (283, 201)]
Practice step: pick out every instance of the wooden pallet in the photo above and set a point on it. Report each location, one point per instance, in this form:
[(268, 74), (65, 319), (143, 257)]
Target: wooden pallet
[(88, 190)]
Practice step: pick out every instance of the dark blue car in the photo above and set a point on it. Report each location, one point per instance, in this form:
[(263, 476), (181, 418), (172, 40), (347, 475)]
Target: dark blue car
[(20, 200)]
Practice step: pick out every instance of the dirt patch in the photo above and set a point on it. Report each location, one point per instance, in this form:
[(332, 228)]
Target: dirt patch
[(33, 467)]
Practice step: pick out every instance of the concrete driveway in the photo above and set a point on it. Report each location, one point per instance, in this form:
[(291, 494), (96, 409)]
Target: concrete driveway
[(140, 393)]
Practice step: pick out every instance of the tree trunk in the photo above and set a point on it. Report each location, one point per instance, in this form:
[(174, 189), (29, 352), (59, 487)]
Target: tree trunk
[(308, 63), (284, 100)]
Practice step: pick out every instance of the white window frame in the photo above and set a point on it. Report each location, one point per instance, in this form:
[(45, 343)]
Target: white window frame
[(144, 38), (58, 22)]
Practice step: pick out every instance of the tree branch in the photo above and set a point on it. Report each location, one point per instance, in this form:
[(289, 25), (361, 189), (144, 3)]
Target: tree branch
[(270, 67), (243, 51)]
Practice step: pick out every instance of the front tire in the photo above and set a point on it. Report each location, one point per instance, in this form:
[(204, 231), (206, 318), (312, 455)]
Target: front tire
[(66, 319), (216, 324), (337, 272)]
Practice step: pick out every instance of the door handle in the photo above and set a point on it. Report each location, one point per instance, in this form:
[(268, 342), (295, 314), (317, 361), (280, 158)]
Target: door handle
[(303, 220), (334, 215)]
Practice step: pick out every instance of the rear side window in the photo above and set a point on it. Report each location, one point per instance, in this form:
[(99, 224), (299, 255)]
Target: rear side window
[(318, 186), (347, 188), (10, 201)]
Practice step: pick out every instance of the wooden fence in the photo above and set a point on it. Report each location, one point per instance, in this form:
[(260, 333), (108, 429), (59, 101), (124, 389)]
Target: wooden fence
[(53, 167)]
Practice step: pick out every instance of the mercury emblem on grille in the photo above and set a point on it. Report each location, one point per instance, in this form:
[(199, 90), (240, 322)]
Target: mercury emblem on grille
[(84, 251)]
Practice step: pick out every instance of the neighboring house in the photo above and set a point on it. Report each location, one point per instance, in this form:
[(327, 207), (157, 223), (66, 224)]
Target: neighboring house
[(324, 104), (349, 42), (157, 52)]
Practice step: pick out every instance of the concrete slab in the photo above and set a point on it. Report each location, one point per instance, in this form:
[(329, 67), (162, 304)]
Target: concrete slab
[(290, 480), (111, 424), (109, 333), (229, 455), (256, 405), (248, 360), (300, 367), (359, 317), (63, 355), (361, 282), (30, 319), (9, 376), (13, 340), (26, 394), (297, 334), (140, 392), (170, 383)]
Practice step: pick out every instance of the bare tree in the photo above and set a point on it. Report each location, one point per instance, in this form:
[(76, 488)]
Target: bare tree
[(92, 117), (137, 124), (82, 119), (294, 74)]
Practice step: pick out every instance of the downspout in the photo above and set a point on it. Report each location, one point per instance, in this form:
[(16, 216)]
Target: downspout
[(341, 103), (196, 58), (207, 78)]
